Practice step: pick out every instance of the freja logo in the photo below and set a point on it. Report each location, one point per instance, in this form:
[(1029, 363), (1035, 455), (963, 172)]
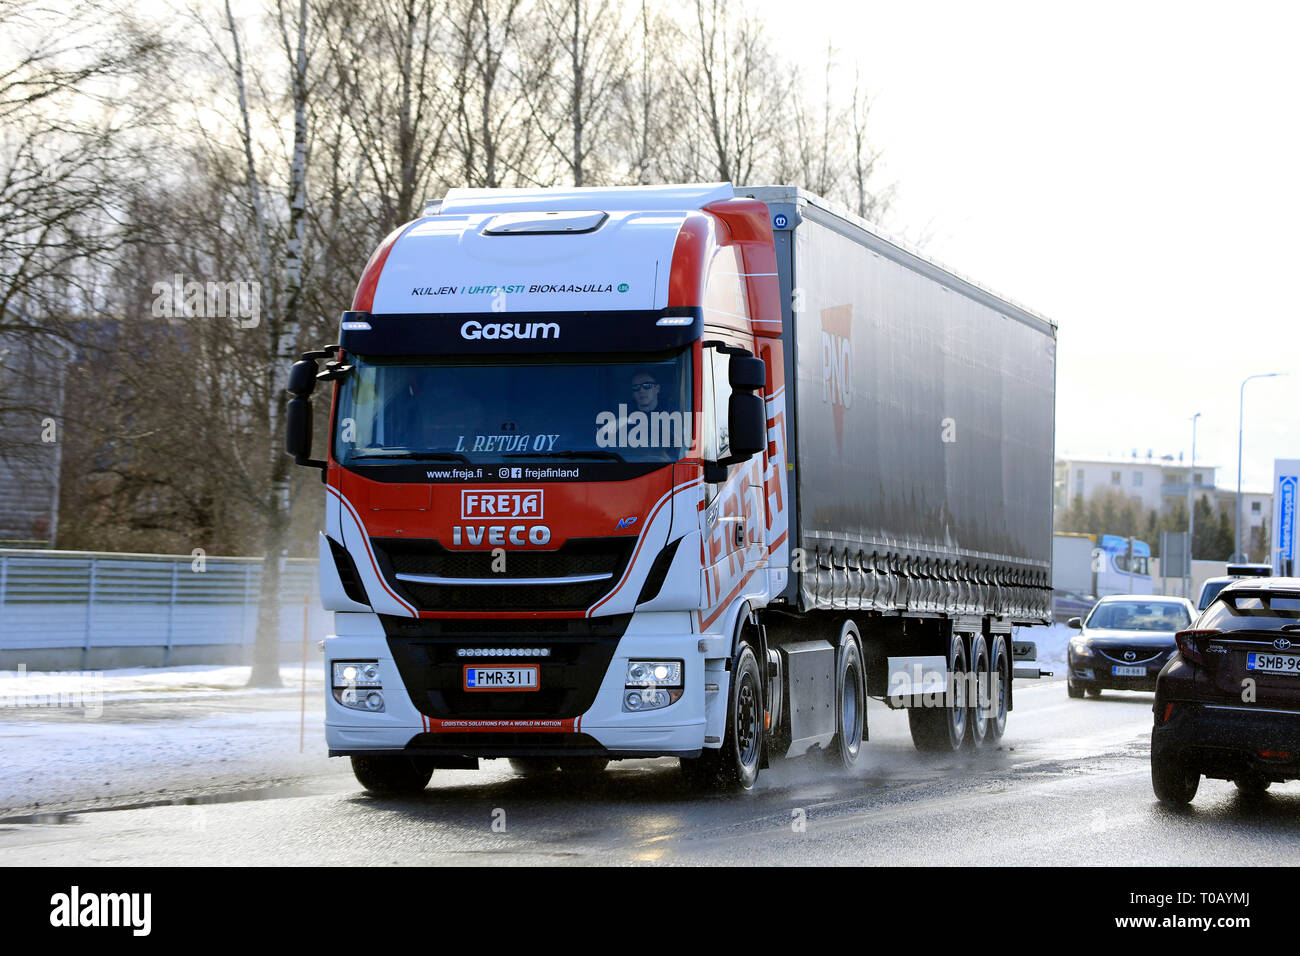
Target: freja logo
[(74, 908)]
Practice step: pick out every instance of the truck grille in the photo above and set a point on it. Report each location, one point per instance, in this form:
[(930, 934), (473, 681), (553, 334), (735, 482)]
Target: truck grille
[(426, 654), (595, 564)]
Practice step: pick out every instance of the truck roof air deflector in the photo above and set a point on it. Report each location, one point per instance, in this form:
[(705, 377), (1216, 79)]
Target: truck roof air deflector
[(544, 223)]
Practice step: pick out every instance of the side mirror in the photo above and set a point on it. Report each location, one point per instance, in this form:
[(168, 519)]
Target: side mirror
[(747, 373), (1076, 623), (302, 378), (746, 425), (297, 428)]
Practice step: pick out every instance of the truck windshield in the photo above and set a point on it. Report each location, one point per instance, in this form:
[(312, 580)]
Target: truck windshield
[(496, 410)]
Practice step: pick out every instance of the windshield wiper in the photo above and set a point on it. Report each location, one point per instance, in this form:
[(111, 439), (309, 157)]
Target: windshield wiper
[(593, 453), (419, 456)]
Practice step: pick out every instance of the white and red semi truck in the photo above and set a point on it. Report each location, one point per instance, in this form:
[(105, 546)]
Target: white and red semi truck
[(683, 471)]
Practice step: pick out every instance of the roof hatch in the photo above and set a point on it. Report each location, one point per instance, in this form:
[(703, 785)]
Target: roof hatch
[(544, 223)]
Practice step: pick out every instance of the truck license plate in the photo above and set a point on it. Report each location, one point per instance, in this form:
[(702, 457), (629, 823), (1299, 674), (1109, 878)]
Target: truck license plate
[(502, 678), (1273, 663), (1120, 671)]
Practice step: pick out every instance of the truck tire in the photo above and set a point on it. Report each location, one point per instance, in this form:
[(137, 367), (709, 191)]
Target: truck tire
[(734, 766), (533, 766), (850, 699), (978, 694), (1173, 781), (943, 729), (1000, 686), (392, 775), (584, 768)]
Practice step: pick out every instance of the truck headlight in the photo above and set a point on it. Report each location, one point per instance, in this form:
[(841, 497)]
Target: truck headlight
[(358, 686), (357, 674), (651, 685), (654, 673)]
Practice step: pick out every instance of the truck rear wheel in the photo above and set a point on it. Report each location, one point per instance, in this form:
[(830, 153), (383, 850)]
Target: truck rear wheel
[(999, 688), (735, 765), (943, 729), (978, 693), (392, 775), (850, 699)]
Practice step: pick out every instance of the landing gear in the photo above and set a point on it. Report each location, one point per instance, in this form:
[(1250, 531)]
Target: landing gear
[(735, 765), (943, 729)]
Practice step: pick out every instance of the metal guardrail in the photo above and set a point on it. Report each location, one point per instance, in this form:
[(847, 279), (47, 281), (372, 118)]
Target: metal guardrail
[(86, 599)]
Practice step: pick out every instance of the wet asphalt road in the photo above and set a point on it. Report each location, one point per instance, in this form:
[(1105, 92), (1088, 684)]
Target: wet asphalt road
[(1070, 785)]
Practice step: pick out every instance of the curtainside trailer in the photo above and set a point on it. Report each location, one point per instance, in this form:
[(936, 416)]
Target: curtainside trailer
[(686, 471)]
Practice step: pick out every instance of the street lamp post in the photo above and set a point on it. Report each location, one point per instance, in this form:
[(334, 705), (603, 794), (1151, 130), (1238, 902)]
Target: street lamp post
[(1241, 418), (1191, 511)]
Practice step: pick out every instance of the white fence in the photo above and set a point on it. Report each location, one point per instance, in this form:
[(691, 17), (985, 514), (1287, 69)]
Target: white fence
[(94, 600)]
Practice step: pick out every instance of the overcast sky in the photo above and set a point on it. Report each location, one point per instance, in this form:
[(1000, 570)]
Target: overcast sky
[(1130, 170)]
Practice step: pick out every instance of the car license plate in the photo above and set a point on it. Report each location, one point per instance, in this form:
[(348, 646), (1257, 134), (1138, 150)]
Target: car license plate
[(527, 677), (1121, 671), (1273, 663)]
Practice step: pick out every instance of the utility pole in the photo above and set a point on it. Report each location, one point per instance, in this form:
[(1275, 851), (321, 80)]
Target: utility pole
[(1241, 419), (1191, 512)]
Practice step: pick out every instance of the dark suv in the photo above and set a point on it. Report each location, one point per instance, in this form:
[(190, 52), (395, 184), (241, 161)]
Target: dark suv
[(1228, 703)]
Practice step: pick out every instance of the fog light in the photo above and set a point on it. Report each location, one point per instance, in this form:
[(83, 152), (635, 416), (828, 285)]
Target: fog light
[(649, 698), (374, 701)]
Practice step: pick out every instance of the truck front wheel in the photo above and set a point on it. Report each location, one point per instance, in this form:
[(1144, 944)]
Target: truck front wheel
[(735, 764), (392, 775)]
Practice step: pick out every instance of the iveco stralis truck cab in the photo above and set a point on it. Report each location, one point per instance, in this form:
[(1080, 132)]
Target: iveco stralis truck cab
[(555, 482)]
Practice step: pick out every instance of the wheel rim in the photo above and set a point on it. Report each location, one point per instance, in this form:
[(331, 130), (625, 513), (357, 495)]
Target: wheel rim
[(1000, 710), (747, 721), (957, 712), (850, 723)]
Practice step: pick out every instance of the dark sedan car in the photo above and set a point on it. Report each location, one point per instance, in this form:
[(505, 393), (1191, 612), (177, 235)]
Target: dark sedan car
[(1124, 642), (1228, 704)]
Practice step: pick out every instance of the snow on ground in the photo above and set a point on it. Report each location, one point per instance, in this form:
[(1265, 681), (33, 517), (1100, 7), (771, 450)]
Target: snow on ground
[(72, 740), (34, 688), (1051, 641)]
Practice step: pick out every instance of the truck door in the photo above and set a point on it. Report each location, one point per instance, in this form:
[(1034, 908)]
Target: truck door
[(733, 525)]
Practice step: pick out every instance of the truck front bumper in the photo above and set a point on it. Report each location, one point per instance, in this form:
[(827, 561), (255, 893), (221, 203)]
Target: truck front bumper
[(605, 728)]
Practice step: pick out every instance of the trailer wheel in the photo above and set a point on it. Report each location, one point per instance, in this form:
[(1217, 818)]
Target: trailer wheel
[(533, 766), (943, 729), (1000, 688), (850, 699), (392, 775), (978, 693), (734, 766)]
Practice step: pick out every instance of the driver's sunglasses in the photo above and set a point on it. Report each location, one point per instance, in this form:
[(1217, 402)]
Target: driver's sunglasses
[(645, 386)]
